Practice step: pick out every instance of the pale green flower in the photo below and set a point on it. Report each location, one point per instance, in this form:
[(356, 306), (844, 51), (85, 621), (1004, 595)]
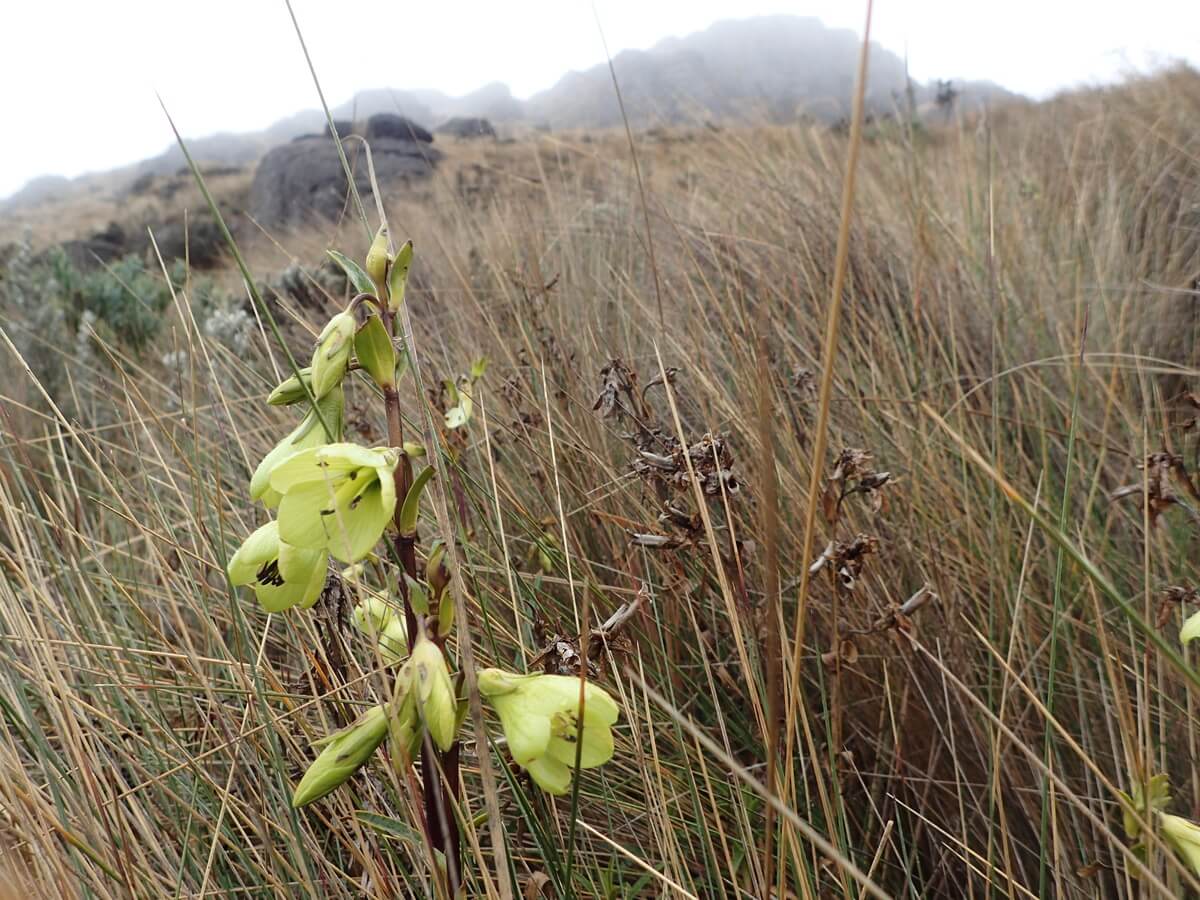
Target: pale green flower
[(436, 698), (374, 616), (460, 396), (281, 574), (332, 355), (540, 717), (344, 753), (1191, 628), (308, 434), (338, 497), (1184, 836)]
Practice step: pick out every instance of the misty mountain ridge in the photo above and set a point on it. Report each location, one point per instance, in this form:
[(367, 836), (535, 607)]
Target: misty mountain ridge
[(780, 68), (774, 68)]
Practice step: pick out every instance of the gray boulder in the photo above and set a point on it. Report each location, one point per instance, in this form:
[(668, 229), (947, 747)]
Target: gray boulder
[(304, 179), (389, 125), (93, 252), (345, 128), (199, 241), (467, 127)]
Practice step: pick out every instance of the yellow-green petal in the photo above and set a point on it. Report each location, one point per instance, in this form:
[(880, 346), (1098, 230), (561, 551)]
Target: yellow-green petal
[(259, 548), (497, 682), (305, 571), (1184, 836), (353, 529), (1191, 628), (308, 435), (300, 516), (551, 776), (528, 733), (597, 747), (330, 462)]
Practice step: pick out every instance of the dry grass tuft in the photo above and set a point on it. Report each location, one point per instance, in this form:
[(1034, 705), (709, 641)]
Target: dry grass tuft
[(152, 721)]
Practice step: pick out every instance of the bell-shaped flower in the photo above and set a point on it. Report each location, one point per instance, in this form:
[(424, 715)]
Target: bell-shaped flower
[(462, 404), (375, 617), (1191, 628), (281, 574), (540, 717), (1184, 835), (436, 698), (344, 753), (332, 355), (308, 434), (338, 497)]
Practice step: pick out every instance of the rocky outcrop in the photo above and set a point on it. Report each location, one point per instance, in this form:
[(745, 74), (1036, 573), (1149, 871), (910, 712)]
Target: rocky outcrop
[(467, 127), (305, 179), (198, 240), (389, 125), (94, 251), (344, 128)]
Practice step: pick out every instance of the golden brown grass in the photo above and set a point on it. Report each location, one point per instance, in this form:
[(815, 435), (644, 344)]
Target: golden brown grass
[(152, 721)]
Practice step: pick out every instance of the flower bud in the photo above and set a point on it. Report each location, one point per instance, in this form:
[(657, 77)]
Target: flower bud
[(435, 692), (291, 389), (344, 753), (373, 616), (332, 354), (377, 259), (404, 729)]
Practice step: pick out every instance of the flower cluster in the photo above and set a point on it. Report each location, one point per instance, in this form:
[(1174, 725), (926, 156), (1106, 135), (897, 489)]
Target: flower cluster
[(334, 500)]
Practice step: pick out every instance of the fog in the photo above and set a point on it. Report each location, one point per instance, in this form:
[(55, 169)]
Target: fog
[(81, 78)]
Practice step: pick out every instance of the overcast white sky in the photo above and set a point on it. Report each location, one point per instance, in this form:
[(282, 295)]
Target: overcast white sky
[(80, 76)]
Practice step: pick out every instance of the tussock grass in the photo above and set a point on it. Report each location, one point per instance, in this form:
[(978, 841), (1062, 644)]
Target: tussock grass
[(1018, 320)]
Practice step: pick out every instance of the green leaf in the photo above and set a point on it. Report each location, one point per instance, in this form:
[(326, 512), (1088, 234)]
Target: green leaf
[(357, 274), (375, 352), (418, 597), (412, 503), (398, 276)]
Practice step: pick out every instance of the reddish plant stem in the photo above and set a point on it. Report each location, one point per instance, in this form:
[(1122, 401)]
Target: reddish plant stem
[(438, 794)]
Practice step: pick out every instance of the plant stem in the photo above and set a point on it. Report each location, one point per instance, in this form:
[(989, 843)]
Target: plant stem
[(438, 793)]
